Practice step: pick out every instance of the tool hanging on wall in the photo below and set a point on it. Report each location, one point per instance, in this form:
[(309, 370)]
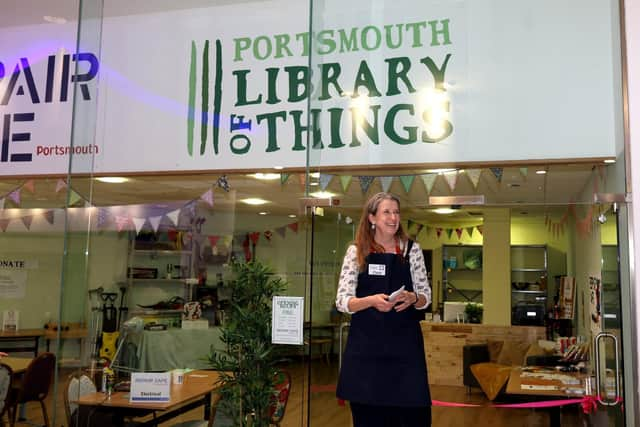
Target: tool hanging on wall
[(95, 326), (123, 310), (109, 325)]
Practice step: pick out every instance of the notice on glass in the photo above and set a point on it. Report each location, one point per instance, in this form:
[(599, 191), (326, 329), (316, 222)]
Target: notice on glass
[(13, 283), (286, 320)]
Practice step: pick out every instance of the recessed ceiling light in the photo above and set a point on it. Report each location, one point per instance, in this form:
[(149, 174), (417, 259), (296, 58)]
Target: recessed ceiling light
[(445, 170), (610, 161), (315, 175), (254, 201), (278, 167), (444, 211), (541, 172), (292, 215), (323, 194), (263, 213), (266, 176), (112, 179), (55, 19), (314, 184)]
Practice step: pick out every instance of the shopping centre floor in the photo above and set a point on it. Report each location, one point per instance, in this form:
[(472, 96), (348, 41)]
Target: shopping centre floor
[(326, 411)]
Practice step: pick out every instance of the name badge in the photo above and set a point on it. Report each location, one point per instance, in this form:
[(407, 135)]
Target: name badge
[(377, 269)]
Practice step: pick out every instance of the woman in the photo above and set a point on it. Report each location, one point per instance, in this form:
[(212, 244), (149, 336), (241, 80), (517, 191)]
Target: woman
[(384, 373)]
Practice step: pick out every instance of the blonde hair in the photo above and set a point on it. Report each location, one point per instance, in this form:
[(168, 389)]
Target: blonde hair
[(365, 243)]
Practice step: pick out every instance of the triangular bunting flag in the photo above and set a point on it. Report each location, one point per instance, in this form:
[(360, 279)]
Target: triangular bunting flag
[(226, 241), (324, 181), (4, 223), (223, 183), (438, 231), (49, 216), (429, 179), (474, 176), (365, 183), (73, 197), (155, 222), (302, 178), (102, 217), (419, 228), (452, 179), (26, 220), (268, 235), (138, 223), (284, 177), (208, 197), (409, 225), (29, 185), (497, 172), (213, 240), (449, 232), (15, 196), (173, 216), (406, 181), (479, 228), (2, 204), (60, 185), (254, 237), (122, 223), (385, 182), (190, 207), (524, 171), (459, 232), (293, 226), (281, 231), (345, 180), (470, 231), (87, 204)]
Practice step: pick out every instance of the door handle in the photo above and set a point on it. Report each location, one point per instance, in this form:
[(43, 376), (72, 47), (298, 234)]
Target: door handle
[(597, 339)]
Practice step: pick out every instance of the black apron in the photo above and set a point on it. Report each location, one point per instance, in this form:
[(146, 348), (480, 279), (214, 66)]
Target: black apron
[(384, 361)]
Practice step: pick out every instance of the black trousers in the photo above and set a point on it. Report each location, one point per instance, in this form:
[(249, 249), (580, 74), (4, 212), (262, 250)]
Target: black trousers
[(389, 416)]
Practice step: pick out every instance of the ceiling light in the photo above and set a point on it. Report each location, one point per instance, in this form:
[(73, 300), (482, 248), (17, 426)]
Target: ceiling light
[(445, 170), (315, 175), (278, 167), (266, 176), (54, 19), (112, 179), (610, 161), (314, 184), (263, 213), (541, 172), (323, 194), (254, 201), (292, 215), (444, 211)]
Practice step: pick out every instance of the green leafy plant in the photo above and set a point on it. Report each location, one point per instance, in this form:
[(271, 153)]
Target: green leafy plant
[(248, 365), (473, 312)]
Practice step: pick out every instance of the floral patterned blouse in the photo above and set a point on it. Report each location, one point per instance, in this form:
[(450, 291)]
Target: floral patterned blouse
[(349, 276)]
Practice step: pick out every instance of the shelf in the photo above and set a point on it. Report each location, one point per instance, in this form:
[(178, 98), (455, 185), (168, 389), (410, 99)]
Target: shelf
[(524, 291)]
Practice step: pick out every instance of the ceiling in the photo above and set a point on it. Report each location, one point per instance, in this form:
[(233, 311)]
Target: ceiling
[(520, 188)]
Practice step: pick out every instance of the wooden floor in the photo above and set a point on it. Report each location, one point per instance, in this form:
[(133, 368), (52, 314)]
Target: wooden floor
[(327, 412)]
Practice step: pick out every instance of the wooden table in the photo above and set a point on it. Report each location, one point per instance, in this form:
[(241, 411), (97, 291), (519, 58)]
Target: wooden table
[(196, 391), (17, 364), (546, 387), (24, 335)]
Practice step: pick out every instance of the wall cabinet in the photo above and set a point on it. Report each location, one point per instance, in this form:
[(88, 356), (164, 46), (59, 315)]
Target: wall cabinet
[(462, 273), (529, 291)]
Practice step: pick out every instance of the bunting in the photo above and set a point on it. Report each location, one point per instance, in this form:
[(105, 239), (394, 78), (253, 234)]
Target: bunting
[(173, 216), (4, 223), (474, 177), (293, 226), (524, 171), (223, 183), (208, 197), (283, 178), (459, 233), (49, 216), (345, 180), (155, 222), (213, 240), (385, 182), (302, 178), (365, 183), (268, 235), (74, 197), (429, 179), (102, 217), (226, 241), (29, 185), (324, 181), (122, 223), (470, 231), (479, 227), (15, 196), (281, 231), (449, 232), (497, 172), (452, 179), (60, 185), (138, 223), (406, 181), (1, 203), (438, 232), (26, 220)]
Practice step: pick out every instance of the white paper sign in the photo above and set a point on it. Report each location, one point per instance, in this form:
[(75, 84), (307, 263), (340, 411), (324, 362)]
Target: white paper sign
[(150, 387), (286, 316)]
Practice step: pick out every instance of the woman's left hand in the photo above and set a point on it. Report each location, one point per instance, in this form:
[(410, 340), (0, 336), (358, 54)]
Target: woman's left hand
[(405, 300), (3, 354)]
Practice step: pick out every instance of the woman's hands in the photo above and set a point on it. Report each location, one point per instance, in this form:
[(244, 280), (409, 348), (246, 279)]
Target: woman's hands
[(405, 300), (381, 303), (3, 354)]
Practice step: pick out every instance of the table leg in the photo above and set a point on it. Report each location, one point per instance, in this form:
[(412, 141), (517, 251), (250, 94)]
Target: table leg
[(555, 416), (207, 406)]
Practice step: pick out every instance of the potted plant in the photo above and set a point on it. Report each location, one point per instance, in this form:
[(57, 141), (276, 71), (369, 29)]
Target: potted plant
[(247, 366), (473, 312)]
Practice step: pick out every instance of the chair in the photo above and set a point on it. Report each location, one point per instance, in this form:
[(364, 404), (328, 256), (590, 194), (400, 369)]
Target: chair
[(282, 385), (78, 384), (36, 382), (203, 423), (6, 375)]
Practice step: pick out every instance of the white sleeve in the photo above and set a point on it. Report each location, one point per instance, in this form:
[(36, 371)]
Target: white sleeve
[(419, 274), (348, 280)]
